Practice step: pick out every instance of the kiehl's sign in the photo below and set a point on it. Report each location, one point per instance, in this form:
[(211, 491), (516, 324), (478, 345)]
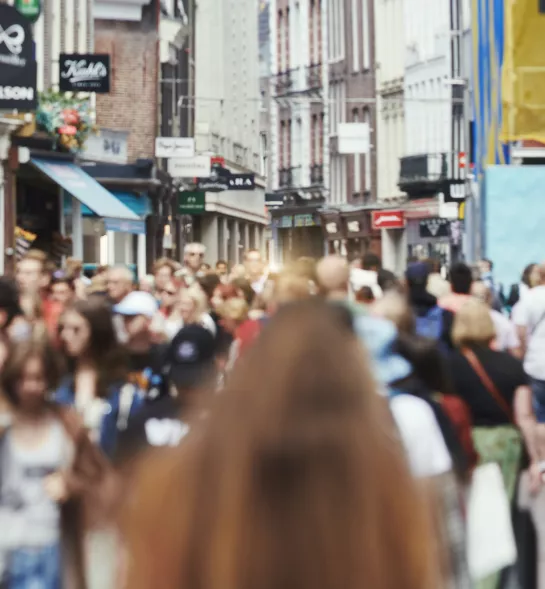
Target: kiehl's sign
[(84, 73)]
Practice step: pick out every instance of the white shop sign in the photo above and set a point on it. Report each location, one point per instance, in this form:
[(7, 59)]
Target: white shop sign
[(198, 166)]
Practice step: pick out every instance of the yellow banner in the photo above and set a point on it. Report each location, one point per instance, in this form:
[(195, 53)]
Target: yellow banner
[(523, 75)]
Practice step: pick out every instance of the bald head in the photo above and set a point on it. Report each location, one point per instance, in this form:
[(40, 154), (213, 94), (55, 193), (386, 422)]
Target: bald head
[(333, 275)]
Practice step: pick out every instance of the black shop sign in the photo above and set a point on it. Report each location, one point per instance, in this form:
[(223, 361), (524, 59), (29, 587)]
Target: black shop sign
[(454, 191), (84, 73), (18, 73), (242, 182), (434, 228)]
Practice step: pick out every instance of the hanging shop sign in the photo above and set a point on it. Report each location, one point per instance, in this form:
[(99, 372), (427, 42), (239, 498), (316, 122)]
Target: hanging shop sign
[(434, 228), (218, 181), (84, 73), (166, 147), (454, 191), (18, 73), (273, 200), (190, 167), (242, 182), (30, 9), (388, 219), (191, 203)]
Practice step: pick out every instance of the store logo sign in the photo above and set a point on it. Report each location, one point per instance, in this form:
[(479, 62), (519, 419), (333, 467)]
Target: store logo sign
[(13, 38), (84, 73), (241, 182), (388, 219), (435, 228)]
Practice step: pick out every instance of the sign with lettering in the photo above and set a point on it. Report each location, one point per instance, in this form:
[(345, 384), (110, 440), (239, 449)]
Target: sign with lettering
[(435, 228), (241, 181), (191, 202), (18, 72), (166, 147), (388, 219), (84, 73), (454, 191), (197, 166), (107, 146)]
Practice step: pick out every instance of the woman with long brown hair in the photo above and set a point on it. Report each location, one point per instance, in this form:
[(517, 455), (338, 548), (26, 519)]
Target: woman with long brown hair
[(295, 480), (97, 384)]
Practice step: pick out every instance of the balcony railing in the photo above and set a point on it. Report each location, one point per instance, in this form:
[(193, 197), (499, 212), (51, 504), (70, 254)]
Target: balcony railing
[(314, 76), (426, 170), (317, 174), (289, 177), (283, 83)]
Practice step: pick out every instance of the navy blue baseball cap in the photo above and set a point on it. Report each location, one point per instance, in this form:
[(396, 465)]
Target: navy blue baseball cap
[(190, 358)]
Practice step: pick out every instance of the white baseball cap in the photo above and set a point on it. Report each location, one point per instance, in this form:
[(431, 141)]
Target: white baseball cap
[(137, 303)]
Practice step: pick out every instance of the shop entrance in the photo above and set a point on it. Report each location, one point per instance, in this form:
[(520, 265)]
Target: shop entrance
[(38, 212)]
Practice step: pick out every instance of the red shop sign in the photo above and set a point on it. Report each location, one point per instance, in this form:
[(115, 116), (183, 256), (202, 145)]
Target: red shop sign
[(388, 219)]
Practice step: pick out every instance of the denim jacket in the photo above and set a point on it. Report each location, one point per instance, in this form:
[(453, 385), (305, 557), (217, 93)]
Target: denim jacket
[(124, 400)]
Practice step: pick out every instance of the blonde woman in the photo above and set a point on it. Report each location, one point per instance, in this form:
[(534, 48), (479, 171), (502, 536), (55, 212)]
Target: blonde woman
[(192, 309), (494, 386)]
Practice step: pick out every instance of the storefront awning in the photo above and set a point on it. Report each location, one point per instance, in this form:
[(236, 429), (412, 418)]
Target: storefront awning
[(85, 188)]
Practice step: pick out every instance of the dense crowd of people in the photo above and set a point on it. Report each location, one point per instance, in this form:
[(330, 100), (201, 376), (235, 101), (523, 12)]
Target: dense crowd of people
[(327, 426)]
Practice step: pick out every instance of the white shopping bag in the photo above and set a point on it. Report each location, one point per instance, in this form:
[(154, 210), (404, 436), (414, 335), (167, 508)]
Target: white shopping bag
[(490, 538)]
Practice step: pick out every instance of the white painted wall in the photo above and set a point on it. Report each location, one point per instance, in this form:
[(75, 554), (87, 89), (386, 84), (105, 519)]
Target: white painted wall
[(390, 72), (65, 26), (427, 66), (227, 96)]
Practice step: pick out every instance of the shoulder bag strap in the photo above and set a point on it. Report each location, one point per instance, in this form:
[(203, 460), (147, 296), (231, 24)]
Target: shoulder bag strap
[(471, 357)]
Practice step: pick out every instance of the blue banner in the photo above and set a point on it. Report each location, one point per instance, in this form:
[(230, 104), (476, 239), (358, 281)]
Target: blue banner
[(123, 226)]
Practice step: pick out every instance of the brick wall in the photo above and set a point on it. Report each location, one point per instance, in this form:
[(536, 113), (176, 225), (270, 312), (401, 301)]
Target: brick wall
[(131, 104)]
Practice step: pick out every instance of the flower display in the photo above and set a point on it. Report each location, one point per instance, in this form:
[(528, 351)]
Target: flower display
[(67, 119)]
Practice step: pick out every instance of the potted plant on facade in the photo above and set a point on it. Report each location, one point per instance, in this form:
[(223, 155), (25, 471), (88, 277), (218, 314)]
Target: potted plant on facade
[(68, 120)]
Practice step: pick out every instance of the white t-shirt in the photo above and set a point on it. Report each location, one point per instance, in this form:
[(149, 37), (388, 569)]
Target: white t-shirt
[(506, 332), (531, 315), (422, 438)]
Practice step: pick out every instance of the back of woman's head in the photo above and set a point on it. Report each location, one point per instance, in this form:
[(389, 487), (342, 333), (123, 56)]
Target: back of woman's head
[(295, 480), (473, 325), (395, 307)]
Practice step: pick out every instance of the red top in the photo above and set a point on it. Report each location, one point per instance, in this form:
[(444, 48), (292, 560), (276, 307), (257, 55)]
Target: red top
[(51, 311), (246, 333)]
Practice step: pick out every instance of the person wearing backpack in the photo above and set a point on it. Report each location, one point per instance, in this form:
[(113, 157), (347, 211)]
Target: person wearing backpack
[(432, 321)]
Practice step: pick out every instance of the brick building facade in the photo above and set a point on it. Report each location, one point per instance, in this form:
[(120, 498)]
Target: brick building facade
[(131, 104)]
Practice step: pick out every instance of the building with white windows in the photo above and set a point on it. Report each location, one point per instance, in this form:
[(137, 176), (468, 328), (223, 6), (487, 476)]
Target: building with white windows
[(353, 187), (227, 123), (322, 77), (427, 73), (299, 151)]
